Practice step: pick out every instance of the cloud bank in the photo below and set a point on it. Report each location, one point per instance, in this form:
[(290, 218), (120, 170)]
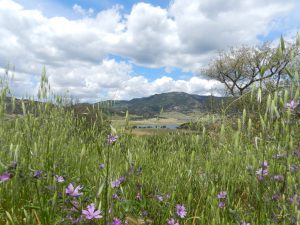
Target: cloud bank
[(78, 53)]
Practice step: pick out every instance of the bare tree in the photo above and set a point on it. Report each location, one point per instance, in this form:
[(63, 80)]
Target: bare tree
[(239, 68)]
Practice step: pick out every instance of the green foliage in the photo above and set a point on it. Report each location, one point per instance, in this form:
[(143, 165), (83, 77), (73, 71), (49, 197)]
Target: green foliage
[(242, 67), (169, 102)]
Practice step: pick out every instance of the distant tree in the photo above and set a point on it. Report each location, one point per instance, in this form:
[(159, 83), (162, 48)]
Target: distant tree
[(241, 67)]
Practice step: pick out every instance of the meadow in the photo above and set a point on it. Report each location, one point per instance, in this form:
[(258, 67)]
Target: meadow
[(59, 168)]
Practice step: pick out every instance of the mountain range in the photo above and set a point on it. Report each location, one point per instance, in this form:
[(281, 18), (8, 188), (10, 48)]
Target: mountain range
[(168, 102), (147, 106)]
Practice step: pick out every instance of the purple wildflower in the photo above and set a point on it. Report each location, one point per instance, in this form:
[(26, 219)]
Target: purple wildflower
[(37, 174), (116, 221), (279, 178), (295, 199), (122, 179), (74, 192), (75, 203), (112, 139), (73, 220), (115, 183), (159, 198), (260, 178), (296, 153), (91, 212), (101, 166), (222, 195), (294, 169), (118, 182), (262, 173), (244, 223), (264, 164), (181, 211), (172, 222), (115, 196), (221, 205), (59, 179), (5, 177), (292, 105), (145, 213), (275, 197)]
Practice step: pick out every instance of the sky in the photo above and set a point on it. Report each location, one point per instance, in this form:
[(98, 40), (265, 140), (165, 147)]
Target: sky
[(96, 50)]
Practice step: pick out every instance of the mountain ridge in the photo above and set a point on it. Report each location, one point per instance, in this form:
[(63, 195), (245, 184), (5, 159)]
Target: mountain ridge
[(168, 102), (149, 106)]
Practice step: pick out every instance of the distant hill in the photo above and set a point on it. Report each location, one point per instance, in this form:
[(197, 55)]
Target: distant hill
[(147, 107), (169, 102)]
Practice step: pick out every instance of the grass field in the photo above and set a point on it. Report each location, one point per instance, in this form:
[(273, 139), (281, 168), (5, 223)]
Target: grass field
[(56, 168)]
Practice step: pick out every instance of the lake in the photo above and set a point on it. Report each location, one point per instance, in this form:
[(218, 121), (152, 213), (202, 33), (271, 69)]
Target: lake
[(161, 126)]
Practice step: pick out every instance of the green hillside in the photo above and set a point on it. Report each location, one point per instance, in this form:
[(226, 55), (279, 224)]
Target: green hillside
[(169, 102)]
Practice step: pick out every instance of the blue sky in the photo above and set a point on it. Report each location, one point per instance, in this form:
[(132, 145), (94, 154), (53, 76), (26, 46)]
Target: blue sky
[(99, 5), (100, 49), (64, 8)]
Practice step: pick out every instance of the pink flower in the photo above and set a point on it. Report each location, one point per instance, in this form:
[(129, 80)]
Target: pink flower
[(159, 198), (262, 173), (221, 205), (293, 105), (59, 179), (112, 139), (172, 222), (5, 177), (74, 192), (118, 182), (222, 195), (116, 221), (181, 211), (279, 178), (264, 164), (91, 212), (115, 184)]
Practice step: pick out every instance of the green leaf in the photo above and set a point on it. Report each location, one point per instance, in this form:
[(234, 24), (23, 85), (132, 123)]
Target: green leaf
[(262, 71), (282, 45), (298, 40), (279, 52), (289, 73), (113, 130), (9, 217), (31, 207)]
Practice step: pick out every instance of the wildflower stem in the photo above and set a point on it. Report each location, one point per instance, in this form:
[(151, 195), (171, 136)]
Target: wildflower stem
[(106, 185)]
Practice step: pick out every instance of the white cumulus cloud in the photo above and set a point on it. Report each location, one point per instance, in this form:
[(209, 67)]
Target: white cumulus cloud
[(80, 54), (83, 12)]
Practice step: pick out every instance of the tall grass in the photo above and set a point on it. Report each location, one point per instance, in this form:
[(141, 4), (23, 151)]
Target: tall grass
[(160, 171)]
